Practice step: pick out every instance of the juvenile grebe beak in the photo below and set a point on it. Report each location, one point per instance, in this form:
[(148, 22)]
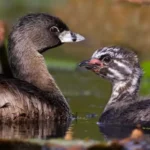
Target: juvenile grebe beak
[(95, 61), (68, 36), (84, 63), (91, 63)]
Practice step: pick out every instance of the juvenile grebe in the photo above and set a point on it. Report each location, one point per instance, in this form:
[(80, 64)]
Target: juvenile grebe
[(121, 67), (32, 94)]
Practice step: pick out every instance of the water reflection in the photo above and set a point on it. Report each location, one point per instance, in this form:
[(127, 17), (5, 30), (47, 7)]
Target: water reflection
[(111, 132), (43, 130), (87, 107), (115, 132)]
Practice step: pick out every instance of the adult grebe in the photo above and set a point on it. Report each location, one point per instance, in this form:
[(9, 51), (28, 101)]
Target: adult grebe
[(32, 94)]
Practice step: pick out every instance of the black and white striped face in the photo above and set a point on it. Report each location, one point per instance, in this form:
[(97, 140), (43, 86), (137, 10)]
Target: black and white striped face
[(113, 63)]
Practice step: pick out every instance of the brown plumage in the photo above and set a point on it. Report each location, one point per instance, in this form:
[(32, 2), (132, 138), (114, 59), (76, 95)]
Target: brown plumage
[(32, 94)]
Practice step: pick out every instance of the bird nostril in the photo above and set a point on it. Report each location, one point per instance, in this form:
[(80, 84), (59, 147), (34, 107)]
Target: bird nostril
[(74, 38)]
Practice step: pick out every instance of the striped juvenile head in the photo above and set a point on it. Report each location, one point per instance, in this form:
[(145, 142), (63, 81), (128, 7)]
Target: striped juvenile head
[(113, 63)]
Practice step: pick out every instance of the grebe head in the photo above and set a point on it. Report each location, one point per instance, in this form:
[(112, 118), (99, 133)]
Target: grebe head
[(113, 63), (43, 31)]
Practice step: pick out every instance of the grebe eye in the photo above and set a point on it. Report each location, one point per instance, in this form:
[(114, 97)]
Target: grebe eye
[(105, 58), (54, 29)]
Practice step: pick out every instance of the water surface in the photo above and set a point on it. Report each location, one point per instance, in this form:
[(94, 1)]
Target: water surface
[(87, 95)]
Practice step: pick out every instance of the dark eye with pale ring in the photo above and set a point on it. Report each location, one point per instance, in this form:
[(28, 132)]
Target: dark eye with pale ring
[(54, 29), (105, 58)]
